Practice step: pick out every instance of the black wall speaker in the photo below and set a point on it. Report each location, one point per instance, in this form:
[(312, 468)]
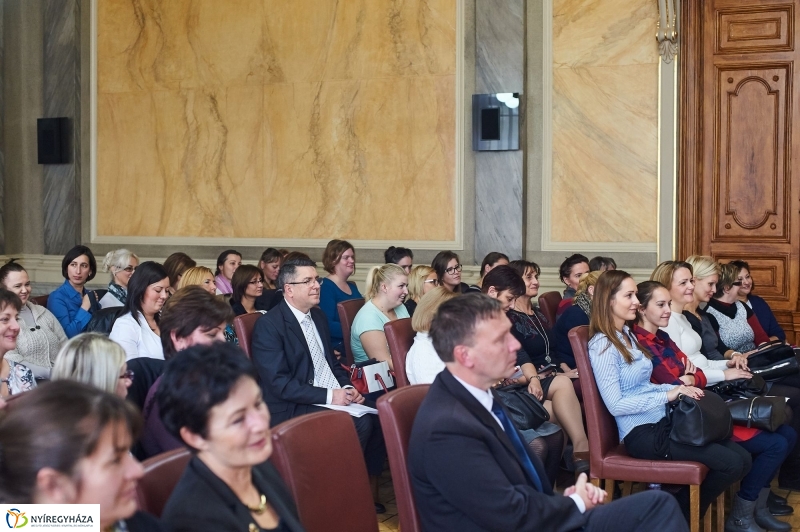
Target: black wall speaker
[(53, 135)]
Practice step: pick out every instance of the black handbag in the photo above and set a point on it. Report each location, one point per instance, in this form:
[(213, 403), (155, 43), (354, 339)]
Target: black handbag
[(765, 413), (774, 362), (525, 410), (699, 422), (739, 388)]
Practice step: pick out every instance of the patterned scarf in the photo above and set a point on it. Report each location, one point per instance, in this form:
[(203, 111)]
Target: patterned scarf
[(585, 302), (117, 291)]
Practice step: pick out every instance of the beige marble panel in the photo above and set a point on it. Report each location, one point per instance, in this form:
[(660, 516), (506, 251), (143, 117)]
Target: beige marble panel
[(276, 119), (605, 154), (610, 32)]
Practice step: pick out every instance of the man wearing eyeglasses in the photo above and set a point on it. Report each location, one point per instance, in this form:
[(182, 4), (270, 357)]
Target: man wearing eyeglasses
[(296, 366)]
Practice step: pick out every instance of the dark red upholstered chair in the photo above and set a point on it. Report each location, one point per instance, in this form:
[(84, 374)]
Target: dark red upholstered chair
[(548, 304), (41, 300), (243, 326), (397, 410), (608, 458), (399, 336), (347, 313), (161, 475), (320, 459)]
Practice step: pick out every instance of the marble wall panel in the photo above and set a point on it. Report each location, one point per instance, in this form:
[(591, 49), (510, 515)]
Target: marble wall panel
[(275, 119), (2, 136), (605, 121)]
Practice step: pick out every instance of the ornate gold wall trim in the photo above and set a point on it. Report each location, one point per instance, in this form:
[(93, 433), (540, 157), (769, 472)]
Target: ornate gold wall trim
[(459, 197)]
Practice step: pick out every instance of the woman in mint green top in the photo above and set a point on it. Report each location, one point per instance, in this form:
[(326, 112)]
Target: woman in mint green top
[(387, 288)]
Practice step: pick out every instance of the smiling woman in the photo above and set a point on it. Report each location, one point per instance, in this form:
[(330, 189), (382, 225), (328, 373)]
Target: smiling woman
[(15, 377)]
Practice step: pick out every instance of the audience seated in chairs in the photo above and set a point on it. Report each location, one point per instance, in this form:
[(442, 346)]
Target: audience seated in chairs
[(176, 265), (227, 263), (191, 317), (387, 288), (448, 271), (553, 390), (211, 400), (71, 303), (574, 316), (422, 362), (671, 366), (296, 365), (622, 369), (490, 261), (137, 330), (421, 280), (339, 260), (502, 488), (67, 443), (40, 334), (270, 263), (403, 257), (760, 307), (14, 378), (92, 358), (570, 272), (121, 264)]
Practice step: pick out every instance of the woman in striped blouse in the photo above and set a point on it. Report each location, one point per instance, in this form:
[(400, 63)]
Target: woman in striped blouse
[(622, 369)]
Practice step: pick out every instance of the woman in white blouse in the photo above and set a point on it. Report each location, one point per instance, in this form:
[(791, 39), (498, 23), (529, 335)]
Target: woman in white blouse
[(137, 330), (422, 362), (678, 277)]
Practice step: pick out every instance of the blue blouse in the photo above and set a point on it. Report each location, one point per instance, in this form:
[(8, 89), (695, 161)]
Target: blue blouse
[(65, 304), (626, 388), (329, 296)]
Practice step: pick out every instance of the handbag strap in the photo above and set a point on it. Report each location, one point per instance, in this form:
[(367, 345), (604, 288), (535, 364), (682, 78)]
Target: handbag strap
[(750, 412), (380, 380)]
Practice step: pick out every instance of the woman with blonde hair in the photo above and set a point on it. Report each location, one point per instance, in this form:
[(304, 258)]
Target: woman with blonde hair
[(422, 362), (199, 276), (121, 264), (421, 280), (387, 288), (92, 358)]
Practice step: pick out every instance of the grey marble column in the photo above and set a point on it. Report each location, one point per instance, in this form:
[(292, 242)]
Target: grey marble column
[(499, 67), (62, 98)]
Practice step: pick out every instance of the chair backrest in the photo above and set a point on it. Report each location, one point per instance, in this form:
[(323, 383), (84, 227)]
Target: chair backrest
[(602, 428), (41, 300), (243, 326), (548, 304), (320, 459), (347, 313), (399, 336), (397, 410), (161, 474)]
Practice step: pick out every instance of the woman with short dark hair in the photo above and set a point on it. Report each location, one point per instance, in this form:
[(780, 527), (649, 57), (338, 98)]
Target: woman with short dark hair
[(270, 263), (71, 303), (176, 265), (14, 378), (227, 263), (403, 257), (137, 330), (248, 285), (760, 307), (211, 400), (490, 261), (339, 260)]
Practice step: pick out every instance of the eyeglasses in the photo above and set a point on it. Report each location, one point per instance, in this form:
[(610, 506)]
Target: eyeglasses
[(256, 282), (453, 269), (736, 283), (128, 269), (434, 281), (127, 375), (308, 282)]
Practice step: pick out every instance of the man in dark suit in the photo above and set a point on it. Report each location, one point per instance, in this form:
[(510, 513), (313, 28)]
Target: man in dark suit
[(292, 352), (469, 468)]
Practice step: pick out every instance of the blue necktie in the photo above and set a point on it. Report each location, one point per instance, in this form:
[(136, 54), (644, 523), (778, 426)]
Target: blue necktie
[(511, 432)]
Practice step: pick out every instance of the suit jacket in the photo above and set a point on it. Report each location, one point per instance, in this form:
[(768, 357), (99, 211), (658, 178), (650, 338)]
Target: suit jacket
[(202, 501), (283, 359), (144, 522), (466, 475)]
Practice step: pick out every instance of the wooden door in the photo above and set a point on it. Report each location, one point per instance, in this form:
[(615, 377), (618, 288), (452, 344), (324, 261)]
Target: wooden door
[(739, 197)]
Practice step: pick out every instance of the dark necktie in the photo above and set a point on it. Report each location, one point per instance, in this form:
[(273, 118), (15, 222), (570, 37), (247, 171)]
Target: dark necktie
[(522, 454)]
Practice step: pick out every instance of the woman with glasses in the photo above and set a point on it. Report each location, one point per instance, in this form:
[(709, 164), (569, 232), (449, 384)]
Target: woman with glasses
[(421, 280), (387, 288), (339, 260), (91, 358), (121, 264), (40, 334), (448, 271), (248, 285), (760, 307)]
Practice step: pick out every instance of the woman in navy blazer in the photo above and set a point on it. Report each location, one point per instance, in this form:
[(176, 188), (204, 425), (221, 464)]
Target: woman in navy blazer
[(209, 398)]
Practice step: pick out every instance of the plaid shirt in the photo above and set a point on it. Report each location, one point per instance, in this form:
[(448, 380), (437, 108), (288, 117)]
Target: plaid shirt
[(669, 362)]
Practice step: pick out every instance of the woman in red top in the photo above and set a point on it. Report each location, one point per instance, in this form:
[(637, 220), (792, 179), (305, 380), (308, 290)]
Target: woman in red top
[(672, 366)]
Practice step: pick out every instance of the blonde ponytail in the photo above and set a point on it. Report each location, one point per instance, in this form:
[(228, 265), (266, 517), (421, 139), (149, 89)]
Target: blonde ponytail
[(379, 275)]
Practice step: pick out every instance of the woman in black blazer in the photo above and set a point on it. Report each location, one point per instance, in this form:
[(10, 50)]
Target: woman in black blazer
[(209, 398)]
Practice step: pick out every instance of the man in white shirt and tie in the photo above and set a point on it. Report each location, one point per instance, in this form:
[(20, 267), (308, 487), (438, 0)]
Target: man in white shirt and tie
[(296, 366)]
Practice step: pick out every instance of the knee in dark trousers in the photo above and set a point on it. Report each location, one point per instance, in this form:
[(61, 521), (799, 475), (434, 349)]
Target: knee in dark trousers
[(638, 513)]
